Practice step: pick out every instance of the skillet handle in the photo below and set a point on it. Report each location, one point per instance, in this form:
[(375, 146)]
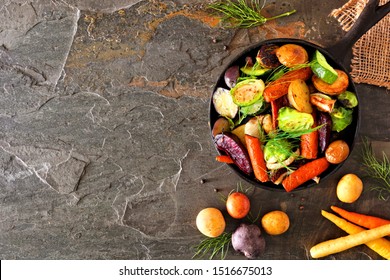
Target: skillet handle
[(371, 14)]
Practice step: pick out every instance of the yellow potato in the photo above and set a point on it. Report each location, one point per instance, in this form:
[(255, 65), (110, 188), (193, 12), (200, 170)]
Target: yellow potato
[(275, 222), (210, 222), (299, 96), (291, 54), (239, 131), (349, 188)]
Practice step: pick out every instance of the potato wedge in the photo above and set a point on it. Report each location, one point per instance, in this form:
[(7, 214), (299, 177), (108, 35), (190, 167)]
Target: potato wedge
[(299, 96), (336, 88), (220, 126), (239, 131), (254, 126), (291, 54)]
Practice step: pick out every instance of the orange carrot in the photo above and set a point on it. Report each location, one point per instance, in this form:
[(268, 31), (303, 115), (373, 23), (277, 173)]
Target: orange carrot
[(380, 246), (279, 87), (360, 219), (256, 156), (224, 159), (309, 143), (305, 173)]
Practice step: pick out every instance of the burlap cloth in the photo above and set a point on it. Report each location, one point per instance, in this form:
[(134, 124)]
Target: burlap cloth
[(371, 53)]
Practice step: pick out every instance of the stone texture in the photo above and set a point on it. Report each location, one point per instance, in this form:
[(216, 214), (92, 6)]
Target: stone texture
[(104, 140)]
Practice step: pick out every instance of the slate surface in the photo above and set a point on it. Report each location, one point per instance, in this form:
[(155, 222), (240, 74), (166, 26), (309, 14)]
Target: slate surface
[(104, 130)]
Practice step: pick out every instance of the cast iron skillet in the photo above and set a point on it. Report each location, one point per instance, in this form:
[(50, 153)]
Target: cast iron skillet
[(336, 56)]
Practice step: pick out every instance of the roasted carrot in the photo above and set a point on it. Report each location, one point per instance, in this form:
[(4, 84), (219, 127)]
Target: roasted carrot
[(305, 173), (340, 244), (380, 246), (360, 219), (309, 142), (224, 159), (279, 87), (275, 106), (256, 156)]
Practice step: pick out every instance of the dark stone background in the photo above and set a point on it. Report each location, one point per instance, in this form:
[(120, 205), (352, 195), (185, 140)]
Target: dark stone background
[(104, 129)]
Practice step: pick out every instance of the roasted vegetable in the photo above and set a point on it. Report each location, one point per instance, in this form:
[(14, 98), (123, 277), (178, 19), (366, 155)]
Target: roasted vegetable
[(322, 69), (337, 151), (231, 76), (266, 56), (325, 122), (279, 87), (221, 125), (309, 142), (247, 92), (305, 173), (254, 70), (299, 96), (275, 106), (322, 101), (231, 144), (348, 99), (337, 87), (256, 156), (341, 118), (223, 103), (291, 54), (277, 150), (248, 240), (290, 120)]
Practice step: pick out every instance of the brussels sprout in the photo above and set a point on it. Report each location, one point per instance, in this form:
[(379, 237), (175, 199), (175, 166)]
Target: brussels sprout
[(256, 107), (348, 99), (341, 118), (277, 150), (291, 120)]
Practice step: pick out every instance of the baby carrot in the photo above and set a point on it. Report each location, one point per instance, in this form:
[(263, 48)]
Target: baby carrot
[(380, 246), (256, 156), (224, 159), (309, 143), (305, 173), (279, 87), (360, 219), (340, 244)]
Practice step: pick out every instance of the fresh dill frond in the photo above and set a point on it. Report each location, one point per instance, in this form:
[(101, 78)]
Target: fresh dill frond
[(213, 246), (379, 170), (241, 14)]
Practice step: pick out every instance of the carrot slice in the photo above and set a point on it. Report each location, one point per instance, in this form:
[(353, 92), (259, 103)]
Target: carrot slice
[(256, 156), (224, 159), (305, 173), (360, 219)]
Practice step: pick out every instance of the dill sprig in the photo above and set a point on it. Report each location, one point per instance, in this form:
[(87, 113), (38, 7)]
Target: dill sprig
[(379, 170), (240, 14), (214, 246)]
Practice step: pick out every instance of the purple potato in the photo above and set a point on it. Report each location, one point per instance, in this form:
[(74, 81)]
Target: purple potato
[(247, 239)]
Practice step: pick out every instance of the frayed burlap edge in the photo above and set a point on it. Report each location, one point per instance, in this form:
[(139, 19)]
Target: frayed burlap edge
[(371, 53)]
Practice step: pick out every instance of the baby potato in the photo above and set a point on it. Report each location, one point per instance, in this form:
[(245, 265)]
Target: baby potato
[(291, 54), (337, 152), (299, 96), (349, 188), (210, 222)]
